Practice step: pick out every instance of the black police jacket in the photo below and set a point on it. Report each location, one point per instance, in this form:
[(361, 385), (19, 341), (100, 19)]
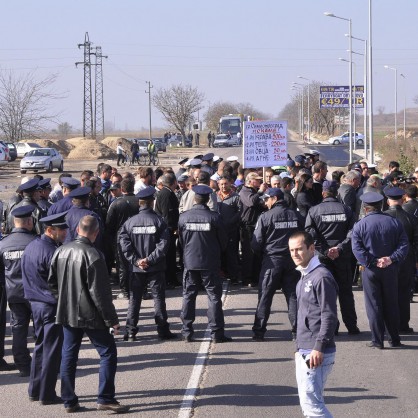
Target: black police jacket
[(78, 278), (37, 214), (251, 205), (145, 236), (11, 251), (329, 223), (273, 229), (119, 212), (202, 236)]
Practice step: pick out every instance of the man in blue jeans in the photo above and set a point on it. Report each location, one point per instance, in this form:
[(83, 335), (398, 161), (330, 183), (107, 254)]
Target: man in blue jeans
[(78, 278), (316, 323)]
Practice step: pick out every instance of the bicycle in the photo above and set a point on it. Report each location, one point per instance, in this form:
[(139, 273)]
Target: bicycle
[(156, 160)]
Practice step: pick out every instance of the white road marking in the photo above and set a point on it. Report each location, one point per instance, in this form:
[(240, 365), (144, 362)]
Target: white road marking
[(186, 408)]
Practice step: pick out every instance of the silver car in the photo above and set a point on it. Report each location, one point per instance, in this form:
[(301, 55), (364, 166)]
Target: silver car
[(42, 159), (223, 140)]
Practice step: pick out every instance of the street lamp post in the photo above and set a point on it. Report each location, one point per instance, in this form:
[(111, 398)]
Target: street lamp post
[(396, 100), (295, 88), (309, 107), (350, 79), (300, 86), (354, 110), (404, 106), (370, 86)]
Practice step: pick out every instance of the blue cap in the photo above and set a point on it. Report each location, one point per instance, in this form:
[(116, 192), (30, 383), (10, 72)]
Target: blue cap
[(58, 220), (183, 161), (182, 177), (299, 159), (29, 186), (284, 174), (70, 182), (198, 157), (147, 193), (356, 167), (209, 156), (290, 163), (45, 183), (80, 192), (202, 190), (371, 198), (115, 186), (23, 211), (274, 191), (195, 162), (394, 193), (330, 186)]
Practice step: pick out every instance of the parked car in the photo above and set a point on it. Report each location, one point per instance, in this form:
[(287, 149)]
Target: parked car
[(3, 156), (5, 150), (160, 144), (42, 159), (12, 151), (177, 141), (344, 139), (223, 140), (24, 147)]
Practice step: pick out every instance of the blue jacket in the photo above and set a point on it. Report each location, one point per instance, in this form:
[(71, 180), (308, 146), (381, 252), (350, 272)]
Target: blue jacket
[(145, 236), (36, 261), (317, 319), (61, 206), (11, 251), (202, 236), (379, 235)]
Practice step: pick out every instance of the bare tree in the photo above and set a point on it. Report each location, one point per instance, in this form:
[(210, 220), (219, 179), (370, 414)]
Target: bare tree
[(64, 129), (380, 110), (24, 104), (177, 105)]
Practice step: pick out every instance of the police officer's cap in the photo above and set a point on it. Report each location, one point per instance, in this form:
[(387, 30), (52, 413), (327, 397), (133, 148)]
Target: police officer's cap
[(232, 158), (290, 163), (202, 190), (356, 167), (195, 162), (217, 158), (313, 152), (300, 159), (45, 184), (371, 198), (182, 178), (80, 192), (284, 174), (29, 186), (146, 194), (70, 182), (198, 157), (329, 186), (183, 161), (209, 156), (58, 220), (23, 211), (115, 186), (394, 193), (274, 192)]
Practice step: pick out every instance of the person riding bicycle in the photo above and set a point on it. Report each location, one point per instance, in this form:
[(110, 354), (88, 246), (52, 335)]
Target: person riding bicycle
[(152, 152)]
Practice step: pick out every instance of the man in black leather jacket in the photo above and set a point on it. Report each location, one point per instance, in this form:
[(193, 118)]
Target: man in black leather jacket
[(79, 279)]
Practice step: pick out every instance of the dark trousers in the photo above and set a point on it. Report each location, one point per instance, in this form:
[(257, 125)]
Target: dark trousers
[(381, 299), (123, 269), (405, 280), (20, 314), (121, 157), (138, 287), (192, 280), (170, 273), (229, 258), (3, 305), (276, 274), (46, 356), (250, 262), (342, 272), (105, 345)]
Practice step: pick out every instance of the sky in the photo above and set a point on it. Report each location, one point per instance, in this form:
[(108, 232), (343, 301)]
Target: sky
[(231, 50)]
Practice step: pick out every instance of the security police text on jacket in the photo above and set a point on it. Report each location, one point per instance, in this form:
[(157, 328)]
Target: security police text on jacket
[(145, 236)]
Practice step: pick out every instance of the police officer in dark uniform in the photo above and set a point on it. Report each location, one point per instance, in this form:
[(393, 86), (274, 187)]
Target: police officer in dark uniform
[(78, 210), (30, 191), (144, 240), (182, 170), (202, 237), (12, 202), (11, 251), (35, 269), (330, 223), (407, 267), (207, 161), (270, 241), (45, 189), (68, 185), (379, 243)]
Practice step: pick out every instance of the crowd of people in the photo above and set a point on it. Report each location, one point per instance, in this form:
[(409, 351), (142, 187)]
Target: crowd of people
[(294, 227)]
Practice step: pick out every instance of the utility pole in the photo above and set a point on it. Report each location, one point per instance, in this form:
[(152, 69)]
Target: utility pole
[(88, 104), (98, 98), (149, 105)]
